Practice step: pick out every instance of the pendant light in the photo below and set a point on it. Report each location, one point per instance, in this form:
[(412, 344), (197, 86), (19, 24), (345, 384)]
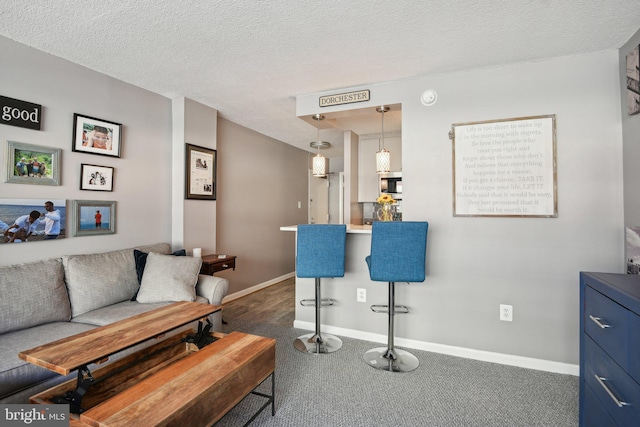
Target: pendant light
[(383, 156), (319, 168)]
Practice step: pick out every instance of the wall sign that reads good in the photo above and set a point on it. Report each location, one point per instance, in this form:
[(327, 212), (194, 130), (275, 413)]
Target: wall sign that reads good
[(505, 168), (14, 112)]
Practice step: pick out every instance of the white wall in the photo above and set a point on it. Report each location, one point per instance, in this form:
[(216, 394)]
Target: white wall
[(476, 264), (63, 88)]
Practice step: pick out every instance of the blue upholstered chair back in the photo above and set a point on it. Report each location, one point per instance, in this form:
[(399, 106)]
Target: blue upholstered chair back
[(398, 251), (320, 250)]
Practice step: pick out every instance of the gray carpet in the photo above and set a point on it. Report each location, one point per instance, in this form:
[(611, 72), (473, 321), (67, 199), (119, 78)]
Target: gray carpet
[(340, 389)]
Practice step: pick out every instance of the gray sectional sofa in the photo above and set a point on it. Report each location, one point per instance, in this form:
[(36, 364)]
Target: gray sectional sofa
[(51, 299)]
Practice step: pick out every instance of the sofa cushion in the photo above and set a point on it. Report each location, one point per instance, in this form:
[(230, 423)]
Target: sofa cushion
[(32, 294), (122, 310), (15, 373), (101, 279), (169, 278), (141, 261)]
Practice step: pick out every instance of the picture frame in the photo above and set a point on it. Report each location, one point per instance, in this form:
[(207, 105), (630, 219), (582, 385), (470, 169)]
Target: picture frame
[(93, 217), (14, 211), (201, 166), (41, 165), (505, 168), (96, 178), (96, 136)]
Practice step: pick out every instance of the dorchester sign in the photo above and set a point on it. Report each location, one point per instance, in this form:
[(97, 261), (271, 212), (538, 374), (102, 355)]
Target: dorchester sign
[(14, 112), (344, 98)]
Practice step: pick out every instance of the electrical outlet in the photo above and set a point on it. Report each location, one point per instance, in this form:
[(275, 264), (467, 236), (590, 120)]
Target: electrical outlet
[(362, 295), (506, 313)]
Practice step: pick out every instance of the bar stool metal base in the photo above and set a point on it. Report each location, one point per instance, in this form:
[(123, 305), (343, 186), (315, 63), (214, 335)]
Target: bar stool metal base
[(394, 360), (317, 344)]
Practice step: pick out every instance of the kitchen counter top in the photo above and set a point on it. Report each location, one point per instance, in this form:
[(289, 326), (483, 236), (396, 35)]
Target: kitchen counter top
[(351, 228)]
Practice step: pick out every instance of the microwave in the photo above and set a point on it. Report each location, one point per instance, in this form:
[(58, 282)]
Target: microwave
[(391, 183)]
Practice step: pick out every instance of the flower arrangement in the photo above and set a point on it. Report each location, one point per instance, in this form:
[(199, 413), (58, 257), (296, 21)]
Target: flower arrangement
[(385, 199), (385, 213)]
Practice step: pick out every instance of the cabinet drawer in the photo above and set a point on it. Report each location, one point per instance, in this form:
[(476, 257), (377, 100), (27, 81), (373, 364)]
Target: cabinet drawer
[(607, 323), (594, 414), (617, 391)]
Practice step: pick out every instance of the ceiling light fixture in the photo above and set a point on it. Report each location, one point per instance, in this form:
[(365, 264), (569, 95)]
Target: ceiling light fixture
[(319, 167), (383, 156)]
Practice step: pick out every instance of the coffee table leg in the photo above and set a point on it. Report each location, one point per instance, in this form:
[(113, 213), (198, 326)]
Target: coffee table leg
[(273, 394), (272, 398)]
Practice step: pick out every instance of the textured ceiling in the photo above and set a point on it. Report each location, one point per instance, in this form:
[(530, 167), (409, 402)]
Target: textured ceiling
[(249, 59)]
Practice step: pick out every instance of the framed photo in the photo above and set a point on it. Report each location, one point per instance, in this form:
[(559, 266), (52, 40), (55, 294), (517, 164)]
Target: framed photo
[(201, 173), (92, 217), (32, 220), (96, 178), (96, 136), (32, 164)]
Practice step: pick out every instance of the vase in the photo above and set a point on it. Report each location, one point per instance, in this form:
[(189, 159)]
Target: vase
[(385, 212)]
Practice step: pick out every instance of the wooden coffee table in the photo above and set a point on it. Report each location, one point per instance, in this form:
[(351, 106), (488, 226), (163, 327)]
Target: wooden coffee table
[(171, 382)]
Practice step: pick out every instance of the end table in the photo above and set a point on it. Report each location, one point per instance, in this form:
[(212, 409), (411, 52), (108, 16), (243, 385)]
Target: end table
[(217, 262)]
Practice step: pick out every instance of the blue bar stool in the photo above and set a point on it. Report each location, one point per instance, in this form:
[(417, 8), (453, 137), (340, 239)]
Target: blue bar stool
[(320, 253), (398, 251)]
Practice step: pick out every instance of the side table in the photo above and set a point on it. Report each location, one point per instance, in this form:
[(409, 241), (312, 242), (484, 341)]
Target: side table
[(217, 262)]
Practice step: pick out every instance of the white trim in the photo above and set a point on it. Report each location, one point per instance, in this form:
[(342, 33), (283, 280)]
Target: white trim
[(257, 287), (467, 353)]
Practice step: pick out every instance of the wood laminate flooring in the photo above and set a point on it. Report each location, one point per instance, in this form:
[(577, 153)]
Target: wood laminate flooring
[(274, 304)]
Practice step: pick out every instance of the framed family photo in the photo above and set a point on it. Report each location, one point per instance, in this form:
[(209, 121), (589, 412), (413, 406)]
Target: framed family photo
[(201, 173), (96, 136), (93, 217), (96, 178), (32, 164), (32, 220)]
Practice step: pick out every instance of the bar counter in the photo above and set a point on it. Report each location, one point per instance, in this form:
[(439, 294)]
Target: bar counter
[(351, 229)]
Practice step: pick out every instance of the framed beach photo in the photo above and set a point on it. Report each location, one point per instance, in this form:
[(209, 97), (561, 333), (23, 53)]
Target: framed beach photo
[(32, 164), (96, 136), (32, 220), (96, 178), (201, 173), (93, 217)]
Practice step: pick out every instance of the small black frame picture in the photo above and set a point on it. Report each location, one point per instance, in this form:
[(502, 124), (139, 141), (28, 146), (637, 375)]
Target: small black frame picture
[(96, 136), (96, 178)]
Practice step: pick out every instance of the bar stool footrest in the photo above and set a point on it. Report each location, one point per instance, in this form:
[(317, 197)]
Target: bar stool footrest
[(324, 302), (399, 309)]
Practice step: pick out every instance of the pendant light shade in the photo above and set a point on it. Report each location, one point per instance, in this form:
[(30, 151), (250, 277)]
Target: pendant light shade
[(383, 161), (319, 166), (383, 156)]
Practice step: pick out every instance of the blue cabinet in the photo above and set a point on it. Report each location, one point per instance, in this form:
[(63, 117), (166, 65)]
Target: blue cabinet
[(609, 349)]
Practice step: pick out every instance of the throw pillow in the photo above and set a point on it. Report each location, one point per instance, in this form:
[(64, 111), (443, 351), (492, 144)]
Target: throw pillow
[(169, 278), (141, 260)]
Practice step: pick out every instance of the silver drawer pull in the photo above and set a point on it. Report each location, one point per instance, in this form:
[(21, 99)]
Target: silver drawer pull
[(597, 321), (601, 380)]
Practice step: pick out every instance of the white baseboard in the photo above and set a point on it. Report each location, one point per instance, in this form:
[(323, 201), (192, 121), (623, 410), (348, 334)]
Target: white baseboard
[(257, 287), (468, 353)]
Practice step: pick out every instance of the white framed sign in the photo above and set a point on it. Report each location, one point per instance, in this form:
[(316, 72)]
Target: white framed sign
[(505, 168)]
